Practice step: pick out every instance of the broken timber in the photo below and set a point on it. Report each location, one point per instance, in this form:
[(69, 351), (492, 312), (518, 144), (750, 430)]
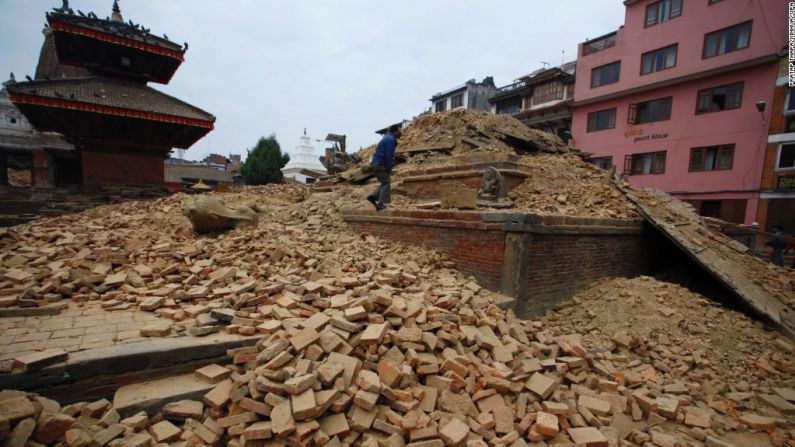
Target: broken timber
[(684, 228), (426, 148)]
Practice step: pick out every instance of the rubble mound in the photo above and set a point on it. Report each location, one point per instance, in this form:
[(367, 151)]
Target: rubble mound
[(654, 316), (432, 138), (568, 185), (461, 129)]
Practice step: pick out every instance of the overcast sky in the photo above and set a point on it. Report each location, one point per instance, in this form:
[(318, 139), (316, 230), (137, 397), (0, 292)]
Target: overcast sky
[(339, 66)]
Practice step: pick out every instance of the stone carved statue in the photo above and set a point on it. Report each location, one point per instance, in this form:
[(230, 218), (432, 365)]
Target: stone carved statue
[(210, 214), (490, 184)]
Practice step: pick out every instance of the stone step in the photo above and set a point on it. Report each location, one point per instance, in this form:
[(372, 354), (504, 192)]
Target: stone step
[(11, 220), (151, 396), (21, 206), (97, 373)]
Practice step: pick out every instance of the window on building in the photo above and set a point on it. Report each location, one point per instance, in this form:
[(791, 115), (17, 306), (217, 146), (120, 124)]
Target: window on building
[(712, 158), (789, 106), (605, 163), (645, 163), (786, 157), (606, 74), (711, 2), (789, 111), (663, 11), (509, 105), (727, 40), (720, 98), (602, 119), (658, 60), (650, 111), (441, 106), (457, 101), (710, 208)]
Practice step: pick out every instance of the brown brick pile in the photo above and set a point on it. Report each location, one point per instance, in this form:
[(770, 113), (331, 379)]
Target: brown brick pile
[(437, 363)]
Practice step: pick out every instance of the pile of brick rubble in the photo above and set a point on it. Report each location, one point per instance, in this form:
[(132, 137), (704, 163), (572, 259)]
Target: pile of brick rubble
[(367, 343), (396, 360)]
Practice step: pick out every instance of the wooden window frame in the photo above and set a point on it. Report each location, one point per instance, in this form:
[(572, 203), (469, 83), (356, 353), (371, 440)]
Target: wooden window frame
[(664, 49), (602, 67), (702, 151), (633, 112), (656, 5), (656, 156), (597, 161), (711, 93), (595, 114), (750, 24), (440, 106)]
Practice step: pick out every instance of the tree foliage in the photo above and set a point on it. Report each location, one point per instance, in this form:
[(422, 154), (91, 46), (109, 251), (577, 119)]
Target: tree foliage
[(264, 162)]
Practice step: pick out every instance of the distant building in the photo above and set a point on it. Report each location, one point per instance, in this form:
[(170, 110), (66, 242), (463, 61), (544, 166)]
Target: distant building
[(542, 99), (214, 170), (182, 176), (304, 165), (680, 99), (234, 163), (471, 95), (777, 199), (23, 150)]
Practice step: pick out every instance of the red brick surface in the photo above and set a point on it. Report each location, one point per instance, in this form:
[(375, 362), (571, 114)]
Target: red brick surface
[(559, 264), (476, 252), (126, 166)]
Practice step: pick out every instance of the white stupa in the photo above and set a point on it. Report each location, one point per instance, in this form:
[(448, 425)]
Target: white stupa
[(303, 159)]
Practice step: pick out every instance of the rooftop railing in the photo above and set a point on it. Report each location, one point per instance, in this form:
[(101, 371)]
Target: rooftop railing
[(599, 44), (511, 87)]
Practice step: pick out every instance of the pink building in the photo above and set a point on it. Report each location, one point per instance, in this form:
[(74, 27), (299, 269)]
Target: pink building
[(673, 98)]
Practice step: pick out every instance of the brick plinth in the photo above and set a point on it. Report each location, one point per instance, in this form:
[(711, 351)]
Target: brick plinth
[(537, 259), (425, 184)]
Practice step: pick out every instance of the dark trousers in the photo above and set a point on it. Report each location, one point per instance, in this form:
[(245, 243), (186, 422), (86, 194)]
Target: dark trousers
[(383, 193)]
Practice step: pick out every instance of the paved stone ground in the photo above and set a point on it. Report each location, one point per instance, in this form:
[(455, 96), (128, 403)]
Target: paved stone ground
[(74, 329)]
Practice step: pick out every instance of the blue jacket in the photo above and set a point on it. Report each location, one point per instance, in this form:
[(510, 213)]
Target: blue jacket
[(385, 152)]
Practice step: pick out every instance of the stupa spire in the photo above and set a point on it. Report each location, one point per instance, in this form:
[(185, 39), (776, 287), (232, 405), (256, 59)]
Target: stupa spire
[(116, 16)]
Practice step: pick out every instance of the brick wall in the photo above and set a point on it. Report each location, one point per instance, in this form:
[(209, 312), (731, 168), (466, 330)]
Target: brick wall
[(476, 252), (426, 183), (123, 166), (558, 256), (561, 265)]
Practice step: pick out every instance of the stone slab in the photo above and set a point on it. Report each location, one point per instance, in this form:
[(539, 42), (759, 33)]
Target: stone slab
[(150, 396), (120, 359)]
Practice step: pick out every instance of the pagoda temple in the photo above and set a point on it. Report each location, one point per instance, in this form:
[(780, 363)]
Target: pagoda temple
[(91, 87), (304, 165)]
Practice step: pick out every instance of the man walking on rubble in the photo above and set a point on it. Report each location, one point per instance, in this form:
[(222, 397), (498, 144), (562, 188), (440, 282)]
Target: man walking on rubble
[(381, 164), (778, 245)]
